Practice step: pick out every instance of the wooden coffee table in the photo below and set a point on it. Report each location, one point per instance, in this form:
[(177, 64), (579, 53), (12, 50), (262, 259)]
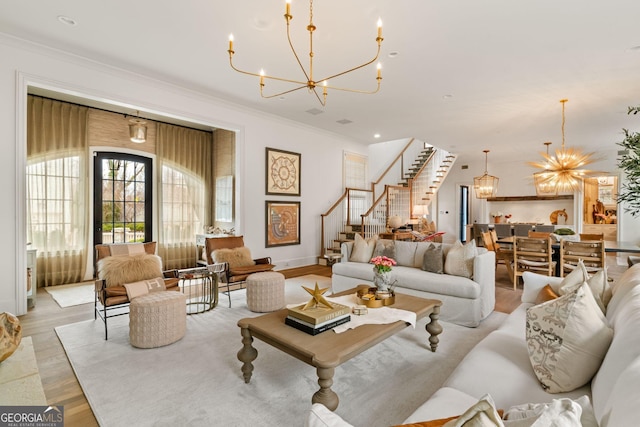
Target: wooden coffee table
[(328, 350)]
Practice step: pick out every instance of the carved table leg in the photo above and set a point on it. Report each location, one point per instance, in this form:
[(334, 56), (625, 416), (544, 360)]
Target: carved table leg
[(325, 395), (434, 328), (247, 354)]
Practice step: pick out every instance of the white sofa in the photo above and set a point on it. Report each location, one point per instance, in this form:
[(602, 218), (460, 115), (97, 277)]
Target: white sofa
[(499, 365), (464, 301)]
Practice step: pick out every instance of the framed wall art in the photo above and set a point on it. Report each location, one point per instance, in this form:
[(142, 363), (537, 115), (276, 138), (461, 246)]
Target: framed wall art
[(283, 172), (282, 223)]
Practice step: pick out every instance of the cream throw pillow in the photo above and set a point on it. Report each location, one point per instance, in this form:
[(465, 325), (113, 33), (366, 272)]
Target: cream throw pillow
[(559, 412), (459, 259), (567, 339), (363, 249), (598, 284), (235, 257)]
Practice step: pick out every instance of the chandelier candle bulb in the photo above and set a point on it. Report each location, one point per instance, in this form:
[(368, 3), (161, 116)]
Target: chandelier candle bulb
[(288, 8), (230, 42), (379, 67), (379, 28)]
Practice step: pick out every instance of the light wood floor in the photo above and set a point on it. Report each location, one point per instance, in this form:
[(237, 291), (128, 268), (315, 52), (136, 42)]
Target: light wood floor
[(58, 379)]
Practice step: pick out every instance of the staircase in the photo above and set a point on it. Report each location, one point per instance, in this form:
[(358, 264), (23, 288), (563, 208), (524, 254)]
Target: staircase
[(366, 213)]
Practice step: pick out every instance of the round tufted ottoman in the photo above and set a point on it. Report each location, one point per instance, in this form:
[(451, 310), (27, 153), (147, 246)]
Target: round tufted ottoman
[(157, 319), (265, 291)]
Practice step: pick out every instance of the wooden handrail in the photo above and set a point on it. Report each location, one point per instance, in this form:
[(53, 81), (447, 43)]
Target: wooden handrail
[(398, 157), (335, 205)]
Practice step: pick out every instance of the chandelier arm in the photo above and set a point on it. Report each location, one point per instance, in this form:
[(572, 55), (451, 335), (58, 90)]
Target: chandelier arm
[(366, 92), (296, 53), (354, 68), (281, 93), (249, 73), (321, 101)]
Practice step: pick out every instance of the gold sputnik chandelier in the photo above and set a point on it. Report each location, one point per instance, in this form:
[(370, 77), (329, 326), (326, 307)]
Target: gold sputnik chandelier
[(542, 182), (310, 82), (562, 172)]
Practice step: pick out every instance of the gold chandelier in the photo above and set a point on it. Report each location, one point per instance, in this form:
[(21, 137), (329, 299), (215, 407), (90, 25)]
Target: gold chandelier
[(563, 172), (486, 186), (311, 83), (542, 182)]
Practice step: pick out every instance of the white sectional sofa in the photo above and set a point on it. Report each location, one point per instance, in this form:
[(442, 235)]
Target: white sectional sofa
[(500, 366), (465, 301)]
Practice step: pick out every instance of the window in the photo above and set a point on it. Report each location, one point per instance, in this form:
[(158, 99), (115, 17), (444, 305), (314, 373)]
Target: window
[(224, 198), (182, 205), (354, 172), (54, 204)]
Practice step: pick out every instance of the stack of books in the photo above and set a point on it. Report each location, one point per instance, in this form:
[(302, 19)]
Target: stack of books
[(319, 319)]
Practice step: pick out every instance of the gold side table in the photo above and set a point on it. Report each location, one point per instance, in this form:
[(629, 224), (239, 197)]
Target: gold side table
[(200, 287)]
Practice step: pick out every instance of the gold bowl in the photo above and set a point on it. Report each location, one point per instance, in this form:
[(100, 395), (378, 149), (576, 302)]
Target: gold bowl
[(367, 296)]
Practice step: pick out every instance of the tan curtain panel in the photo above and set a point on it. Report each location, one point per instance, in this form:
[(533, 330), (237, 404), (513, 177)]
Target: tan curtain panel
[(57, 189), (185, 190)]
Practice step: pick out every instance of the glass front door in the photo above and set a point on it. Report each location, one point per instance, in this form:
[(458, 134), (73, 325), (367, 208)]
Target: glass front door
[(122, 202)]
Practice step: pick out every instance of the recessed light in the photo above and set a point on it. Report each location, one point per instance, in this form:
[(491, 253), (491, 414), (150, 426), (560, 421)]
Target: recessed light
[(634, 49), (447, 96), (66, 20), (376, 135), (393, 54)]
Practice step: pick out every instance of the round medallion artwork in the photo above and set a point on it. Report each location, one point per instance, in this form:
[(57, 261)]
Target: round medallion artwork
[(283, 173), (10, 335)]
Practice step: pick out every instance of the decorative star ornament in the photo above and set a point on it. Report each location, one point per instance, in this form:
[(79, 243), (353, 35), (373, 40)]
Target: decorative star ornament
[(316, 297)]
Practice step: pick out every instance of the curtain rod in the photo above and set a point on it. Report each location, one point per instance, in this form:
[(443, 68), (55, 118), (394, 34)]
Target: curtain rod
[(115, 112)]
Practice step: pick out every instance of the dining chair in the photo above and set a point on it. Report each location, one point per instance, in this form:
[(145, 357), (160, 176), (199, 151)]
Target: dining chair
[(503, 256), (532, 254), (522, 229), (591, 252), (538, 234), (478, 229), (591, 236), (502, 230), (545, 228)]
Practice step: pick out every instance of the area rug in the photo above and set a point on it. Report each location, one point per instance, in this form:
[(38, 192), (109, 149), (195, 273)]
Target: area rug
[(74, 294), (197, 381)]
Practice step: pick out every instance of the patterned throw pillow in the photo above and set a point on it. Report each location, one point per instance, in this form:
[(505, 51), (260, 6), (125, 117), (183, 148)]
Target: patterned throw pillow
[(385, 247), (567, 339), (363, 249), (433, 260), (459, 259)]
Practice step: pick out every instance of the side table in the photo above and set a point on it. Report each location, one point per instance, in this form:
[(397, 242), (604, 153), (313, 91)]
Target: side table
[(200, 287), (332, 258)]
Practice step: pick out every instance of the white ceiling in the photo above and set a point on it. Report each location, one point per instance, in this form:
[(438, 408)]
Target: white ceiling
[(469, 75)]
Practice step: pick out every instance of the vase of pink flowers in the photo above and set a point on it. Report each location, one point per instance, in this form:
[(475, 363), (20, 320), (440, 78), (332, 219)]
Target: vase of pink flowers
[(382, 272)]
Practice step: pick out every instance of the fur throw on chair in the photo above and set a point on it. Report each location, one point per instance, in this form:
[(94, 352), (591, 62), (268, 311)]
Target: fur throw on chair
[(236, 257), (118, 270)]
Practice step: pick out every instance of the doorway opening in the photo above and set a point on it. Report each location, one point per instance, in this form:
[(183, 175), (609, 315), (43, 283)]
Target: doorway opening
[(464, 213)]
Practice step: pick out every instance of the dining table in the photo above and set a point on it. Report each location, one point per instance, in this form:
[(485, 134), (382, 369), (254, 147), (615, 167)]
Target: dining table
[(611, 246)]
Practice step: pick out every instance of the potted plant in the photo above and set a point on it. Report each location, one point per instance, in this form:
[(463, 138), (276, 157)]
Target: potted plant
[(629, 162)]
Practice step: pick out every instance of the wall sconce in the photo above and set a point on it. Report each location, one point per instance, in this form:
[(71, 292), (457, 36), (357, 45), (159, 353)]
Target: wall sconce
[(137, 130)]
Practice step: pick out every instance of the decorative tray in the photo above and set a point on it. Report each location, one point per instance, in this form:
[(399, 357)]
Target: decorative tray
[(369, 297)]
